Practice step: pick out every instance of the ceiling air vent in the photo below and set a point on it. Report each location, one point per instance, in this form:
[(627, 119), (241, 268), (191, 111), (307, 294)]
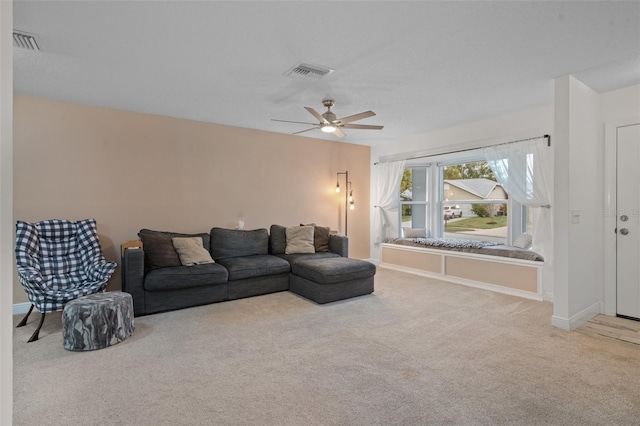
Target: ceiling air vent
[(309, 71), (24, 40)]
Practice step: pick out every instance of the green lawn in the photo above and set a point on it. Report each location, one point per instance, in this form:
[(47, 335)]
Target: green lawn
[(476, 223), (471, 224)]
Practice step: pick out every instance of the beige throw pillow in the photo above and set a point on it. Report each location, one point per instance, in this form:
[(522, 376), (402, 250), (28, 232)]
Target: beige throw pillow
[(299, 240), (191, 251), (523, 241), (414, 232)]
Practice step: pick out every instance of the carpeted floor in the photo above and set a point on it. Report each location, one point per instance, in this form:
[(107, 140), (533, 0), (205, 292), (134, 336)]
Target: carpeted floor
[(416, 352)]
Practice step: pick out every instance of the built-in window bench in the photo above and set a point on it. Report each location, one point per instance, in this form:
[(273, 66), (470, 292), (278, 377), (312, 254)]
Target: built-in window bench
[(519, 277)]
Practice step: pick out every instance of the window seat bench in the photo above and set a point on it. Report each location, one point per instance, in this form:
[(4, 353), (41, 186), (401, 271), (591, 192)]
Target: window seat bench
[(499, 268)]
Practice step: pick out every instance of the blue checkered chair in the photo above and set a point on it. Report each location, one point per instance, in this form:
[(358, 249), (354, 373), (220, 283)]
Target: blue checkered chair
[(58, 261)]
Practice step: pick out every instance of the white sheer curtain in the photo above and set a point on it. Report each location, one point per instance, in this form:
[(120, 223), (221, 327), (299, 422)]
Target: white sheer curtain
[(522, 169), (386, 184)]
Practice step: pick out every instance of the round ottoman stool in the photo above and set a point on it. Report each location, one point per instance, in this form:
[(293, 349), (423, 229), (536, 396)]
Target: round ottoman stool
[(97, 321)]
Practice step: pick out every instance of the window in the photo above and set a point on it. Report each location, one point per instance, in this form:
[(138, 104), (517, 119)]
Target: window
[(413, 198), (474, 205), (459, 197)]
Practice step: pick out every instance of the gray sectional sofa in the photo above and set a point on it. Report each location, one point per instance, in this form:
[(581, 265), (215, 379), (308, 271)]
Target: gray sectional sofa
[(247, 263)]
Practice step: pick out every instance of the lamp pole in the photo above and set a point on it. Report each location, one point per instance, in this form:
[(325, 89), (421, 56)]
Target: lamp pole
[(346, 196)]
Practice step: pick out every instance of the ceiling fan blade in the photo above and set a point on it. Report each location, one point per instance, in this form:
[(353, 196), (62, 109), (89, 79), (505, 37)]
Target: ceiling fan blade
[(339, 133), (302, 131), (355, 117), (298, 122), (316, 115), (362, 126)]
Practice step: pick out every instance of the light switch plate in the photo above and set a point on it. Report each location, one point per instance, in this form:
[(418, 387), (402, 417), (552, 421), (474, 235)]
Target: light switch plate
[(575, 216)]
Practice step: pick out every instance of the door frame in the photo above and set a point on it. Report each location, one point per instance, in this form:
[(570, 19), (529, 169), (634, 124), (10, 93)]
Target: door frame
[(609, 215)]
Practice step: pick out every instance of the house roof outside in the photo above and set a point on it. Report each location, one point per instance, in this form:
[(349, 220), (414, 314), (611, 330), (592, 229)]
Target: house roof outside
[(480, 187)]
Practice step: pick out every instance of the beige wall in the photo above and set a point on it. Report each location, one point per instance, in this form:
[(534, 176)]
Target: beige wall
[(131, 171)]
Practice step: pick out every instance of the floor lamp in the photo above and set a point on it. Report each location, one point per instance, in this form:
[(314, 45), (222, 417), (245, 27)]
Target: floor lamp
[(349, 203)]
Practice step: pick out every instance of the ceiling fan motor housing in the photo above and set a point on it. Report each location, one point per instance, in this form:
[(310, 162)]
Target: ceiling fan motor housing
[(329, 116)]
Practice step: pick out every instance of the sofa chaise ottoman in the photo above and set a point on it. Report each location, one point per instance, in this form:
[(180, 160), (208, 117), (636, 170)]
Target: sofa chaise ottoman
[(329, 280)]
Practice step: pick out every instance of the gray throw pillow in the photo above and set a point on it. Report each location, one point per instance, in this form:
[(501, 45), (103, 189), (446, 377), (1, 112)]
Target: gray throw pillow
[(299, 240), (158, 251)]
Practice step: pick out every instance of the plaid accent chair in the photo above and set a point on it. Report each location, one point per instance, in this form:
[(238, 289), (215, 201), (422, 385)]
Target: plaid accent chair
[(59, 261)]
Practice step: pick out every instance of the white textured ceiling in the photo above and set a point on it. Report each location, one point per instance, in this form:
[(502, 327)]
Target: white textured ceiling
[(420, 66)]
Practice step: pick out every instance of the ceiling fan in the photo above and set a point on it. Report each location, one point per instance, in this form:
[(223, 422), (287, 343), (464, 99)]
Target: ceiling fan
[(328, 122)]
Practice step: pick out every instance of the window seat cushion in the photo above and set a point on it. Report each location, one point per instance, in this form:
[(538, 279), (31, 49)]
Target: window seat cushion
[(468, 246)]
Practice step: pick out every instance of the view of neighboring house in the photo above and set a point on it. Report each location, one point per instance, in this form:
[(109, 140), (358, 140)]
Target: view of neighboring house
[(465, 192)]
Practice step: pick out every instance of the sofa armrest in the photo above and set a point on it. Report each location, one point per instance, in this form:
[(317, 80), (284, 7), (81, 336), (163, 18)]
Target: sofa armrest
[(339, 244), (133, 275)]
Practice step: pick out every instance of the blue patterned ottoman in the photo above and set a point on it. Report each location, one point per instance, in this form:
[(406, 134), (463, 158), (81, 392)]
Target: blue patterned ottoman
[(97, 321)]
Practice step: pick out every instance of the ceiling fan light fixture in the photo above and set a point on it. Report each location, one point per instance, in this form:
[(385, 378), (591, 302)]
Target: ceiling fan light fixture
[(328, 123)]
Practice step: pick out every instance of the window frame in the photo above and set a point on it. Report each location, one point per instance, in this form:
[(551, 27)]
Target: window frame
[(517, 216), (426, 202)]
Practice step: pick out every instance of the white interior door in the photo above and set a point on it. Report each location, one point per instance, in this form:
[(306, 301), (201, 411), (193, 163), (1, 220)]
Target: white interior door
[(628, 221)]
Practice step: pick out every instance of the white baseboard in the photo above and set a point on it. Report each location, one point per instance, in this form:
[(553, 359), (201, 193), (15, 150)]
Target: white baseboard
[(468, 283), (548, 297), (578, 319), (561, 323), (21, 308)]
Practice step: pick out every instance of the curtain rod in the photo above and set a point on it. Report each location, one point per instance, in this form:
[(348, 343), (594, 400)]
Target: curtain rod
[(464, 150)]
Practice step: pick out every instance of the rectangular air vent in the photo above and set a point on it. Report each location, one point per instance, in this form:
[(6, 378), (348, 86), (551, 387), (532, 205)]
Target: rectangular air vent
[(24, 40), (309, 71)]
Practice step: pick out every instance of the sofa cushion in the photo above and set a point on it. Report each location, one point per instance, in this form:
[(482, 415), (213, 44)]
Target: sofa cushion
[(254, 266), (299, 240), (277, 239), (181, 277), (293, 258), (235, 243), (329, 271), (191, 251)]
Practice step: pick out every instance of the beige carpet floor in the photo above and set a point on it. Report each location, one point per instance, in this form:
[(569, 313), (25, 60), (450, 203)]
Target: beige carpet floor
[(416, 352)]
